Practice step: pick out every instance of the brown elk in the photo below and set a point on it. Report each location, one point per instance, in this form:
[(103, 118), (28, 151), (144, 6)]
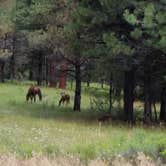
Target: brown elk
[(105, 118), (32, 92), (64, 98)]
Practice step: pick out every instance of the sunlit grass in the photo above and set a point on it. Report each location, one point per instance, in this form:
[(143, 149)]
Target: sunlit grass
[(44, 128)]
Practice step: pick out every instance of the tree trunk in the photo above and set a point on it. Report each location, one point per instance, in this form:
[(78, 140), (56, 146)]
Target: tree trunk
[(148, 99), (30, 75), (77, 98), (12, 68), (163, 105), (88, 80), (12, 60), (63, 76), (46, 72), (2, 65), (110, 93), (155, 112), (102, 83), (71, 84), (40, 71), (88, 83), (2, 72), (129, 85)]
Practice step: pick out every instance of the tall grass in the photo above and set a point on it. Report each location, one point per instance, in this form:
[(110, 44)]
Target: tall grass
[(44, 128)]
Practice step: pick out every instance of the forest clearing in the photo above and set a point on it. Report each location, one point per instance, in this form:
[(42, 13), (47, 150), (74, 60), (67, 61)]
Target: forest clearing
[(82, 82), (44, 129)]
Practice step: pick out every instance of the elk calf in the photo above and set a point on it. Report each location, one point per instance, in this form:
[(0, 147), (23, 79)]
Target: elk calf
[(64, 98)]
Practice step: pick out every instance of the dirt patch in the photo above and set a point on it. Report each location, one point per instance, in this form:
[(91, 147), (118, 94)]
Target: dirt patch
[(139, 160), (38, 161)]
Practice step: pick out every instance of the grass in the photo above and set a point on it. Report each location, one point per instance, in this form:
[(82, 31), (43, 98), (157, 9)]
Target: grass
[(45, 129)]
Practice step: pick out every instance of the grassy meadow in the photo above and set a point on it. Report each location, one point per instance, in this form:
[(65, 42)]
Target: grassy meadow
[(45, 129)]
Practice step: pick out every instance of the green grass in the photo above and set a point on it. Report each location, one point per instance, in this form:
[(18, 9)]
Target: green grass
[(44, 128)]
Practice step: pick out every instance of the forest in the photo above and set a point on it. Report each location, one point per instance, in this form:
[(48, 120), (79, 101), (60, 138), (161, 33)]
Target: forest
[(107, 56)]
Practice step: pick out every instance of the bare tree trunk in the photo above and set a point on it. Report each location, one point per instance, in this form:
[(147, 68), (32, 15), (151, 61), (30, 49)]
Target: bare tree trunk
[(12, 68), (155, 112), (63, 75), (40, 71), (71, 84), (88, 79), (148, 90), (88, 83), (102, 83), (31, 74), (129, 85), (12, 60), (77, 99), (163, 105), (46, 72), (110, 93), (148, 99), (2, 72), (2, 65)]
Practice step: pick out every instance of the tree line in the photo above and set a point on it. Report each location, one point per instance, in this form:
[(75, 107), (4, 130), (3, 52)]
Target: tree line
[(119, 42)]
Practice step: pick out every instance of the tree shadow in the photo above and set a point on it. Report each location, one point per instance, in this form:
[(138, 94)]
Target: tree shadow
[(54, 112)]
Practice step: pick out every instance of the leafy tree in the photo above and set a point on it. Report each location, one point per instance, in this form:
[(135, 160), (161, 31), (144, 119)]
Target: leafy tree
[(148, 19)]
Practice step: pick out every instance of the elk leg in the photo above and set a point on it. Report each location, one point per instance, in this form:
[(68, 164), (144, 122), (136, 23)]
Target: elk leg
[(34, 98), (60, 101), (31, 99)]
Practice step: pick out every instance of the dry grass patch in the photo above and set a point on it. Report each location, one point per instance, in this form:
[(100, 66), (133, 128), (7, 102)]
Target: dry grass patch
[(139, 160)]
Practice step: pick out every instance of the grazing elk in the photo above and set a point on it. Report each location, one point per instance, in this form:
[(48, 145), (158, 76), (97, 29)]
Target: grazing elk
[(105, 118), (32, 92), (64, 98)]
